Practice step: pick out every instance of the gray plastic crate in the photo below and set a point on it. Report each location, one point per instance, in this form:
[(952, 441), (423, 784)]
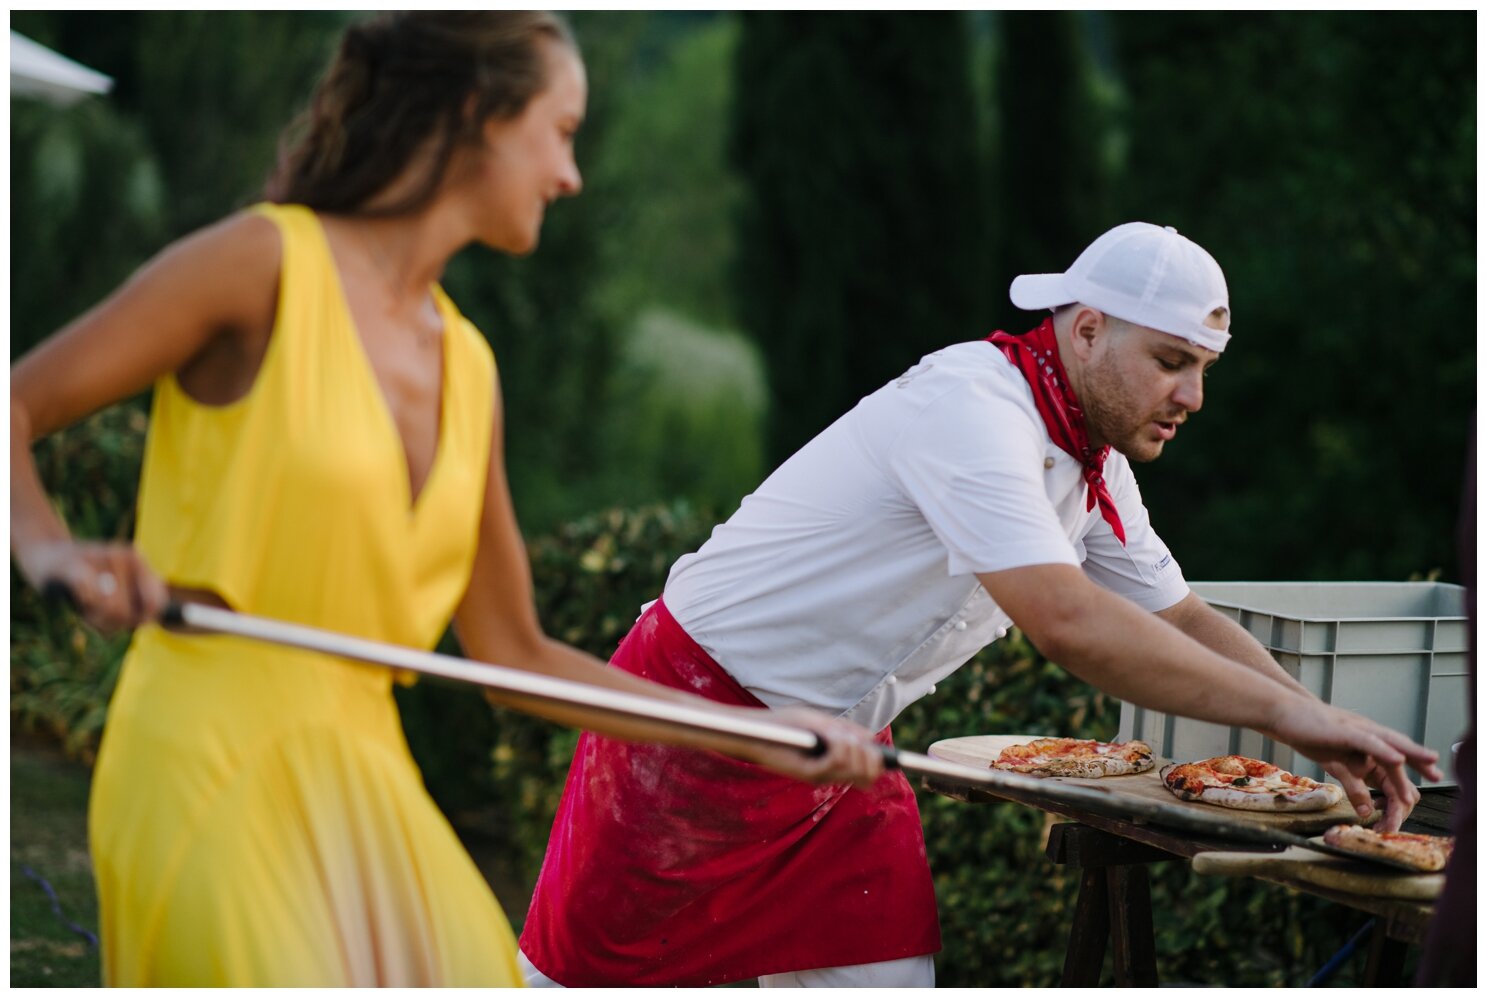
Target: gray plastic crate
[(1392, 651)]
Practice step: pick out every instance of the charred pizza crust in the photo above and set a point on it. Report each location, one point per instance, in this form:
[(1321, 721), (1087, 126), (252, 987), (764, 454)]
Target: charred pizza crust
[(1427, 853), (1248, 785), (1081, 758)]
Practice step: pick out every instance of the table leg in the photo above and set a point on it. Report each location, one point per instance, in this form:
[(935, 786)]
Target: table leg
[(1385, 959), (1086, 955), (1114, 904), (1131, 937)]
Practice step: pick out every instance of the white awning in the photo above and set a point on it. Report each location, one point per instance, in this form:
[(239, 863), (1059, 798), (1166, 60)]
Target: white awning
[(37, 71)]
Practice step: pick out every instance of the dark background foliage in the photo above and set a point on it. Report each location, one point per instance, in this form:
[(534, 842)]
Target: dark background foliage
[(862, 237), (1343, 207), (1335, 184), (783, 211)]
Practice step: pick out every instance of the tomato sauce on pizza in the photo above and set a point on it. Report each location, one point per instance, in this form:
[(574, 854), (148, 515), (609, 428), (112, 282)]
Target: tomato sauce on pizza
[(1248, 785), (1082, 758), (1427, 853)]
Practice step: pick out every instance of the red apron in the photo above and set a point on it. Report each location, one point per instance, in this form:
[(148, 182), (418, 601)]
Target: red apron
[(679, 867)]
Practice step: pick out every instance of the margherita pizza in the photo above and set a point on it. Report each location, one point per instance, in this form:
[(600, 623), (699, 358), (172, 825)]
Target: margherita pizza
[(1075, 757), (1249, 785), (1423, 852)]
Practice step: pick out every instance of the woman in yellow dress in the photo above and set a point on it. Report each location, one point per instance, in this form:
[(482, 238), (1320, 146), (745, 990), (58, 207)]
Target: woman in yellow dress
[(326, 448)]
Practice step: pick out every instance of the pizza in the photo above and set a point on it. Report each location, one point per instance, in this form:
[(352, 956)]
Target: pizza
[(1075, 757), (1423, 852), (1249, 785)]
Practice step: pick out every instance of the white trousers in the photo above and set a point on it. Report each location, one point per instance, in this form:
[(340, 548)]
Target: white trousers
[(910, 972)]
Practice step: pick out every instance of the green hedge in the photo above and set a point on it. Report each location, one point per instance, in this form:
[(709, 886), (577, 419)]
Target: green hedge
[(1005, 909)]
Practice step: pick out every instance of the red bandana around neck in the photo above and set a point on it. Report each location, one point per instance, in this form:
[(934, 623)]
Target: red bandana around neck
[(1036, 356)]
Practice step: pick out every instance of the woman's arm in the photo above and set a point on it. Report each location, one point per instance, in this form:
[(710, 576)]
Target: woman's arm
[(205, 304), (497, 622)]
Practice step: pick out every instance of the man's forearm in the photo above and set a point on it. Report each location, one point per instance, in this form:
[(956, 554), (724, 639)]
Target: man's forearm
[(1218, 633), (1114, 645)]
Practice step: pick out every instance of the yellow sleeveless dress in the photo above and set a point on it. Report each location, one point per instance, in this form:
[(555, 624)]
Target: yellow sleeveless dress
[(256, 818)]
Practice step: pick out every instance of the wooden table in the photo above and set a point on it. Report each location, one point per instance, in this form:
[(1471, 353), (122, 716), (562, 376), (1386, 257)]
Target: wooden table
[(1114, 905)]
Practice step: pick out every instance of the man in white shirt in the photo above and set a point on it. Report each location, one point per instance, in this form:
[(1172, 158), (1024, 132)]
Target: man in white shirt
[(989, 485)]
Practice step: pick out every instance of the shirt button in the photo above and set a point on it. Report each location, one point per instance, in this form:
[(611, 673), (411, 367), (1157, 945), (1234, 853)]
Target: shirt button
[(931, 688), (960, 625), (1001, 632), (1048, 462), (892, 680)]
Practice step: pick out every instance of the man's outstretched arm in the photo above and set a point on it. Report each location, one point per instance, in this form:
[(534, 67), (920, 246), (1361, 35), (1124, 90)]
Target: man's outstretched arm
[(1212, 629), (1134, 655)]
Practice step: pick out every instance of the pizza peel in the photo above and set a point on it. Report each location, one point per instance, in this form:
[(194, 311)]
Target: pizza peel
[(1199, 819), (601, 701), (598, 701), (1318, 870)]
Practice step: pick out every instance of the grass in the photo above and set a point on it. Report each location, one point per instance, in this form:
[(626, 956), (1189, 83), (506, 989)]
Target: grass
[(49, 838)]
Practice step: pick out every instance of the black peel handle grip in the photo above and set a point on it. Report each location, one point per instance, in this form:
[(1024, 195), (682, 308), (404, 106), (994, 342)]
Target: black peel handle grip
[(58, 592), (890, 754)]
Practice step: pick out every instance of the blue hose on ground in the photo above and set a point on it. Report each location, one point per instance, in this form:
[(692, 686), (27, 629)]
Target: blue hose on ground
[(57, 908), (1332, 966)]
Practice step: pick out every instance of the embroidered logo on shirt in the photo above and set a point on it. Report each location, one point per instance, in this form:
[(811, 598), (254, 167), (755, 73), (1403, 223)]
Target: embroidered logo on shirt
[(912, 373), (1164, 563)]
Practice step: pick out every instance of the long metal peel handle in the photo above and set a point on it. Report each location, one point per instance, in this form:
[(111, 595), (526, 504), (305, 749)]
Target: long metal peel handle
[(562, 691), (499, 677), (57, 591)]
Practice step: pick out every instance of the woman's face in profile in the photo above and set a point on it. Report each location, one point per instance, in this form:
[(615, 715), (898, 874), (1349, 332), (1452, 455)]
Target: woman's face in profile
[(527, 162)]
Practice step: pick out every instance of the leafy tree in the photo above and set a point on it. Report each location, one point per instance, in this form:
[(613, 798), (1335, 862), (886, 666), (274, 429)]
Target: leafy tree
[(1058, 151), (217, 94), (87, 207), (688, 416), (670, 197), (862, 235), (211, 89), (1328, 161)]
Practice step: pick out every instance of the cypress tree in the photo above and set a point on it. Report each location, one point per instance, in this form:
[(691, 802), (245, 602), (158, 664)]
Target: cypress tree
[(1058, 147), (1329, 163), (862, 236)]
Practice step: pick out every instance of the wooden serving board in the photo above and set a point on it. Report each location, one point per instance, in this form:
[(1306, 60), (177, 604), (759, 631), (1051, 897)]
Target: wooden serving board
[(981, 750), (1322, 870)]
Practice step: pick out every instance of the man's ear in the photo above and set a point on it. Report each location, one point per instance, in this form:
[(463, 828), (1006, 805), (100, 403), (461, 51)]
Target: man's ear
[(1088, 328)]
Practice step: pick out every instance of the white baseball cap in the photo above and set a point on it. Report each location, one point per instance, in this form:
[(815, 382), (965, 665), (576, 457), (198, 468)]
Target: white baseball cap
[(1142, 273)]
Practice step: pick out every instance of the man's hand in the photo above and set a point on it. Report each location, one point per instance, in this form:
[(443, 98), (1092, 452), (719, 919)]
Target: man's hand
[(1357, 752), (1394, 812)]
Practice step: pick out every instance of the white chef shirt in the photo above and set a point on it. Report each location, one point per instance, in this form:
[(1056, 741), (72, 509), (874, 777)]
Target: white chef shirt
[(847, 580)]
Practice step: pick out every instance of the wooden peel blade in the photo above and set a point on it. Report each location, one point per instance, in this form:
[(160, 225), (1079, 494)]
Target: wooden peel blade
[(1314, 868), (1098, 801)]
